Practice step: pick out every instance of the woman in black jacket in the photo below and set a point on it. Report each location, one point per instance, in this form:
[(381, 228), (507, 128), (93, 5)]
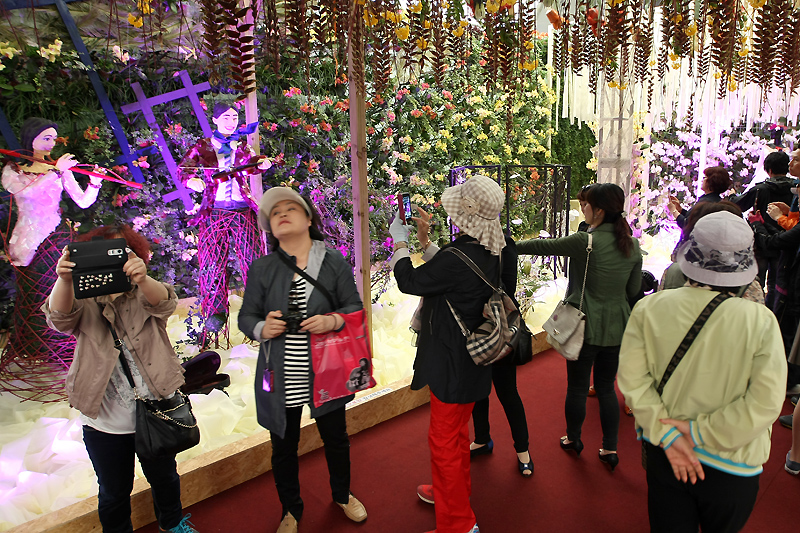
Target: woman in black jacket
[(280, 308), (442, 360)]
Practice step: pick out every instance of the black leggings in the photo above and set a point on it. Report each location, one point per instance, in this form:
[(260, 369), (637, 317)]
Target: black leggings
[(605, 361), (504, 377)]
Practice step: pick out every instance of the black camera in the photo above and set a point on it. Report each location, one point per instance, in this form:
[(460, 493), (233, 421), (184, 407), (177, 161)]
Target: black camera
[(293, 317)]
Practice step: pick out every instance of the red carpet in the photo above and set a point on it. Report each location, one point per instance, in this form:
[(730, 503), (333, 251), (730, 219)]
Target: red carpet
[(566, 494)]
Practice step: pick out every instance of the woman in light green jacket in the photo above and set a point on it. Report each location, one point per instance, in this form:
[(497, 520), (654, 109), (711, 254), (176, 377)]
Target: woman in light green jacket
[(614, 275)]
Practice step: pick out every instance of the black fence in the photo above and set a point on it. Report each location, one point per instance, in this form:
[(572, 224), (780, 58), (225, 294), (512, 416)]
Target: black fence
[(537, 199)]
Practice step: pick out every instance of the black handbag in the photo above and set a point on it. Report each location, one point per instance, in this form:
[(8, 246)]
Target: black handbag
[(163, 427)]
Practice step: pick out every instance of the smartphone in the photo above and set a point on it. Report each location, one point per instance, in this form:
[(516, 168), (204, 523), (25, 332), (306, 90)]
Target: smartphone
[(404, 201)]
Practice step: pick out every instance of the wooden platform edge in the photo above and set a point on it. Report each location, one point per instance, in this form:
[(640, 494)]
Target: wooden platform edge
[(220, 469)]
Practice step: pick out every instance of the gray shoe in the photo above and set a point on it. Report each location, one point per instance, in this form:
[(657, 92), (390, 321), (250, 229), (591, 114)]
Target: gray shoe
[(786, 421)]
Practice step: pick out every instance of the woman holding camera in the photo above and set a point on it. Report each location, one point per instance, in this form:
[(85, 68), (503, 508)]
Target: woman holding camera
[(97, 386), (280, 309)]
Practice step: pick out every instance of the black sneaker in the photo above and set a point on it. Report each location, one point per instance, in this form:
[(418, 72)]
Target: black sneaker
[(794, 399), (786, 421)]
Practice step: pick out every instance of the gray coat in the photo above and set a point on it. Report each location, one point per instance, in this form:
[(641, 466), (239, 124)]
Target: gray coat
[(268, 283)]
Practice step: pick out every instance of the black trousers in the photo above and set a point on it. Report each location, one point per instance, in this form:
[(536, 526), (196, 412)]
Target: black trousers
[(285, 465), (112, 458), (604, 360), (504, 377), (721, 503)]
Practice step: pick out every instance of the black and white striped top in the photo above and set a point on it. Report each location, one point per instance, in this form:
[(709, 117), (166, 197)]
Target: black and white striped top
[(297, 357)]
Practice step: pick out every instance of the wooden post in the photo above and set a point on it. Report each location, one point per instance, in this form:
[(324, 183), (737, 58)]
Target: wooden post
[(358, 164), (251, 108)]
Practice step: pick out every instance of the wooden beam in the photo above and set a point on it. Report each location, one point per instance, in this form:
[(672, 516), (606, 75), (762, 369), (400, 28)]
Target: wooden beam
[(358, 165)]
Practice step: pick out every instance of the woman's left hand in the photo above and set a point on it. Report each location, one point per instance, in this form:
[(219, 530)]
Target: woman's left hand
[(318, 324), (135, 268)]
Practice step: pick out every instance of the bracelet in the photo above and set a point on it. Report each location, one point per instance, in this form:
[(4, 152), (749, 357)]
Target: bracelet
[(334, 322), (425, 246)]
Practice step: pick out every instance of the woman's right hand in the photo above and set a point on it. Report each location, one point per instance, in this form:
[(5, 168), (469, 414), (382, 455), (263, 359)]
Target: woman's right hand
[(774, 212), (273, 325), (64, 266), (66, 162)]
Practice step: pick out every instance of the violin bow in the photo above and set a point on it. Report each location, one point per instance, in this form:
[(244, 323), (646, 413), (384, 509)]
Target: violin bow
[(113, 176)]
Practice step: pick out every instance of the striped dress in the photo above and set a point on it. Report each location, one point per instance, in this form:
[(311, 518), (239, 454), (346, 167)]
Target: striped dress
[(297, 357)]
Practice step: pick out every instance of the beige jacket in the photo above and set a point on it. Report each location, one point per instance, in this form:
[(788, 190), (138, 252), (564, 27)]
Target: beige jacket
[(140, 325)]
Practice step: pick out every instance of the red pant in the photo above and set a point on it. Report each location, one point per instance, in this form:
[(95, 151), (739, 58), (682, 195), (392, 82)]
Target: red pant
[(448, 438)]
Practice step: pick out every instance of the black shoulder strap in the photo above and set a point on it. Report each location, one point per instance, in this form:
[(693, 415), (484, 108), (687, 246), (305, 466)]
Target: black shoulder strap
[(691, 335), (118, 345), (470, 263), (308, 278)]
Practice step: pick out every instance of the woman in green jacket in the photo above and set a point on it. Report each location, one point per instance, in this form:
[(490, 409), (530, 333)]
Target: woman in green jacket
[(614, 275)]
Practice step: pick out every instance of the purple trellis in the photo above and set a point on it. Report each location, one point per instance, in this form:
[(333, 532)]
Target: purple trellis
[(145, 105)]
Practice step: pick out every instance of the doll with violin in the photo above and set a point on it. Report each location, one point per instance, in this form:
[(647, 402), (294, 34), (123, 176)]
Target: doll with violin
[(219, 168), (36, 184)]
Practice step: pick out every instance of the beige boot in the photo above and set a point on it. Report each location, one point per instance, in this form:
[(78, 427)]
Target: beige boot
[(354, 509), (288, 524)]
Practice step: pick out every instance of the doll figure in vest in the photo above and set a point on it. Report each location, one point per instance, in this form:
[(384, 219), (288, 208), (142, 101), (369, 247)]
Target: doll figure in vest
[(226, 217), (36, 357)]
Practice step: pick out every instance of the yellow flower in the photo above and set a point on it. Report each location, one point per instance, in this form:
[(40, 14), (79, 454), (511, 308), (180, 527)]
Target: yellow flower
[(673, 57), (676, 66), (391, 16), (463, 23), (427, 23), (691, 29), (528, 45), (743, 52), (732, 85), (482, 137), (441, 145), (144, 7), (652, 63), (492, 6), (415, 7), (612, 84), (458, 32), (529, 65), (136, 22), (678, 18), (402, 32), (422, 44), (370, 19)]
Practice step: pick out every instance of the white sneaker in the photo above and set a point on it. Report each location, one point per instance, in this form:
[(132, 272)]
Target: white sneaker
[(354, 509), (475, 529)]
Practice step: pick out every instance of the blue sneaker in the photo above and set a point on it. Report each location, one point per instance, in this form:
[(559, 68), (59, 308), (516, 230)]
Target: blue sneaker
[(792, 467), (183, 527)]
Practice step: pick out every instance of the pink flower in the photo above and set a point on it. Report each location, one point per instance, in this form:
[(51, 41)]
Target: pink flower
[(391, 116), (294, 123), (293, 91), (447, 94), (424, 85), (416, 113), (325, 126)]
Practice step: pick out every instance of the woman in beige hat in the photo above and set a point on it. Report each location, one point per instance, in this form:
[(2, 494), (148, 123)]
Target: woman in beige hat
[(442, 360)]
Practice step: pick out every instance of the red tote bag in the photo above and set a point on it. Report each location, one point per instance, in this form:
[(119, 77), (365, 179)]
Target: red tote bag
[(342, 360)]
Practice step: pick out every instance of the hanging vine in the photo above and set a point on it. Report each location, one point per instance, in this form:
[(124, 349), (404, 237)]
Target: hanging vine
[(213, 36), (724, 33), (790, 51), (240, 43), (768, 22)]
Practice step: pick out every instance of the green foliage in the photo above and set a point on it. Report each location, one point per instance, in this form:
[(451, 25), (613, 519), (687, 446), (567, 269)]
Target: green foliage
[(572, 145)]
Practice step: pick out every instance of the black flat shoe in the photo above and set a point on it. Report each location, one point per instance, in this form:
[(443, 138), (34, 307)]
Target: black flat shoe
[(486, 449), (525, 467), (611, 459), (576, 446)]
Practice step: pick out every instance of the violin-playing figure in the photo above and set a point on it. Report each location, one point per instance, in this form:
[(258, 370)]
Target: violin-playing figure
[(37, 189), (39, 355), (226, 218)]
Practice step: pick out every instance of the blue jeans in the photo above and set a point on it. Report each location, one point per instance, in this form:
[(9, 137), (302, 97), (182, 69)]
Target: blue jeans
[(112, 458), (605, 361)]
